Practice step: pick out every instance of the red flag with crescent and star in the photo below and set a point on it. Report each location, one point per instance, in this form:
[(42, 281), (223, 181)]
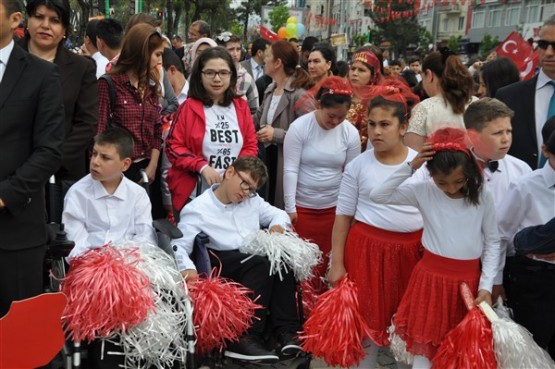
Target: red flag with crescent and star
[(521, 53), (267, 34)]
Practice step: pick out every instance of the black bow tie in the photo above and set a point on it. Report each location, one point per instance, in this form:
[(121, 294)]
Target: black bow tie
[(493, 165)]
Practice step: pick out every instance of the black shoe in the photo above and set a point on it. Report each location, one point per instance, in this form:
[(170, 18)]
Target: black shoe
[(290, 343), (250, 348)]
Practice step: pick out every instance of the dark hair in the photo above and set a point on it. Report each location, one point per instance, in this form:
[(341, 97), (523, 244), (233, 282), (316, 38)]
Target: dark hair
[(254, 166), (455, 80), (120, 138), (396, 107), (61, 7), (550, 144), (177, 37), (138, 45), (284, 51), (409, 77), (481, 112), (329, 93), (12, 6), (259, 44), (111, 32), (90, 31), (328, 53), (203, 27), (396, 62), (445, 161), (308, 43), (197, 90), (342, 68), (548, 129), (141, 18), (170, 58), (498, 73), (413, 59)]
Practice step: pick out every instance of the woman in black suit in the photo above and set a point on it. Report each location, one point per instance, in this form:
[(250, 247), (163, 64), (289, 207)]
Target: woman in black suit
[(48, 26)]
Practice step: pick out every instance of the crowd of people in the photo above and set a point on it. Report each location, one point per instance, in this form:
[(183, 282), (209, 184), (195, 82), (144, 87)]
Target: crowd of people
[(410, 177)]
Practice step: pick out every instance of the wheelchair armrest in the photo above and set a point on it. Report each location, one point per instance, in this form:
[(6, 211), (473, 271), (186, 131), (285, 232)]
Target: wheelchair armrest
[(165, 227), (200, 256), (58, 245)]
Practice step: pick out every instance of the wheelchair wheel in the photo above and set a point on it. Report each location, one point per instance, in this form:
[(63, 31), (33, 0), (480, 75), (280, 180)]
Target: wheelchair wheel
[(57, 272)]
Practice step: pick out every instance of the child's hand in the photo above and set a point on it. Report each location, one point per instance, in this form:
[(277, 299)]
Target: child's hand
[(483, 295), (189, 274), (277, 229), (425, 154)]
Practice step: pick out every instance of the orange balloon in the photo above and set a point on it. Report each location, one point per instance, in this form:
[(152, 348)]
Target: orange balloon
[(282, 32)]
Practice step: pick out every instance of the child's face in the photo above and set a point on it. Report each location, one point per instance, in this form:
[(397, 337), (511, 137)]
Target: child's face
[(359, 74), (331, 117), (452, 184), (240, 185), (385, 132), (106, 164), (415, 67), (395, 70), (495, 139), (234, 49)]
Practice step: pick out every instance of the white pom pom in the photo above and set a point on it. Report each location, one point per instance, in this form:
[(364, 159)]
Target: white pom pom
[(160, 339), (399, 347), (286, 252)]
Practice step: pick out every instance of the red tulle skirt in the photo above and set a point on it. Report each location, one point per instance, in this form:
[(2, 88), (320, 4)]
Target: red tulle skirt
[(316, 225), (380, 263), (432, 305)]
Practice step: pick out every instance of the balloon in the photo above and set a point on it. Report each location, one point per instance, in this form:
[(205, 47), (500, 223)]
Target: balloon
[(291, 29), (282, 32), (300, 29), (292, 20)]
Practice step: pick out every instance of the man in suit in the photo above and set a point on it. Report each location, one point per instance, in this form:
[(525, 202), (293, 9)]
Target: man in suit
[(530, 100), (255, 65), (31, 136)]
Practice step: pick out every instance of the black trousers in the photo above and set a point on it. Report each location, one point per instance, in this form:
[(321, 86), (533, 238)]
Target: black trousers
[(530, 290), (276, 295), (21, 275)]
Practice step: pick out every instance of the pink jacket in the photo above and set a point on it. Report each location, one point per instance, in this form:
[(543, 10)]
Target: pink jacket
[(184, 146)]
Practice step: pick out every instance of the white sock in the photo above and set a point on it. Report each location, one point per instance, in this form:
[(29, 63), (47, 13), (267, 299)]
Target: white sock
[(421, 362), (371, 358)]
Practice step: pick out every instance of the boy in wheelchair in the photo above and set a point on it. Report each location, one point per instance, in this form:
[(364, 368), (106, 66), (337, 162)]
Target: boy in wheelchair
[(228, 213), (105, 206)]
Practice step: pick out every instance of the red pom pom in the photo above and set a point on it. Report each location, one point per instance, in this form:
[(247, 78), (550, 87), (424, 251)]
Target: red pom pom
[(335, 330), (223, 311), (106, 292)]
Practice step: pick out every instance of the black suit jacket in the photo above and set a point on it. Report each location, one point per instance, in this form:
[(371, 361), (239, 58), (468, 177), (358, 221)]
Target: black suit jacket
[(80, 93), (31, 137), (520, 97)]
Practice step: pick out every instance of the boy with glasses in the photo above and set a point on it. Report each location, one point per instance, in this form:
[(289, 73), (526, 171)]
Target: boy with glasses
[(229, 213)]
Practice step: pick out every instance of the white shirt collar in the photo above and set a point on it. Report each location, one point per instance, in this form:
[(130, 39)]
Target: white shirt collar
[(548, 174), (254, 64), (100, 191), (543, 79), (5, 53)]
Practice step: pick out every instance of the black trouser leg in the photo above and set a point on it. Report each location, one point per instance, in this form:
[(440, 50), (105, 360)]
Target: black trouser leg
[(283, 304)]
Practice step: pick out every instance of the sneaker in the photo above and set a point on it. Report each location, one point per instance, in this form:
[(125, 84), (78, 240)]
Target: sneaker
[(290, 343), (250, 348)]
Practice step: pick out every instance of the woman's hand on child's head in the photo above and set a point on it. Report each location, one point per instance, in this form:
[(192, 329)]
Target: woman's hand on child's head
[(425, 154), (336, 272), (277, 229), (210, 176), (483, 295)]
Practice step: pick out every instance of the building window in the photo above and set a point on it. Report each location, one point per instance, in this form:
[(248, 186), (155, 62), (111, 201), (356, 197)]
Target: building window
[(513, 15), (533, 12), (547, 10), (479, 19), (461, 23), (445, 24), (495, 17)]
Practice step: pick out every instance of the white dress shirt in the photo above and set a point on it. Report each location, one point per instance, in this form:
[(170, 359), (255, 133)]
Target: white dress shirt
[(544, 91), (314, 159), (363, 174), (5, 53), (530, 201), (101, 62), (257, 69), (92, 217), (227, 225), (452, 227)]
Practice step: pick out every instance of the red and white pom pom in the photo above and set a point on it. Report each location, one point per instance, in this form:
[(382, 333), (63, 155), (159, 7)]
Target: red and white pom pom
[(107, 293), (398, 347), (286, 251), (223, 311), (335, 330), (514, 345), (470, 344), (159, 341)]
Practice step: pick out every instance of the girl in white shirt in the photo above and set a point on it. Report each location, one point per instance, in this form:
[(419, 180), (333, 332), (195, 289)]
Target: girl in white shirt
[(377, 245), (316, 148), (460, 231)]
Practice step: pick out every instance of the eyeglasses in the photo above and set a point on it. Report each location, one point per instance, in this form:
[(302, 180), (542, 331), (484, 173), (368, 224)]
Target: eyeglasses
[(211, 74), (245, 186), (544, 44)]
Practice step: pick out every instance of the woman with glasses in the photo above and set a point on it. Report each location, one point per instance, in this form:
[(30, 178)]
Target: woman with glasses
[(48, 26), (137, 91), (212, 128)]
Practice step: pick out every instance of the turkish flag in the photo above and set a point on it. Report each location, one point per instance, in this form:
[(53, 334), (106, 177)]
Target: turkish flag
[(521, 53), (267, 34)]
